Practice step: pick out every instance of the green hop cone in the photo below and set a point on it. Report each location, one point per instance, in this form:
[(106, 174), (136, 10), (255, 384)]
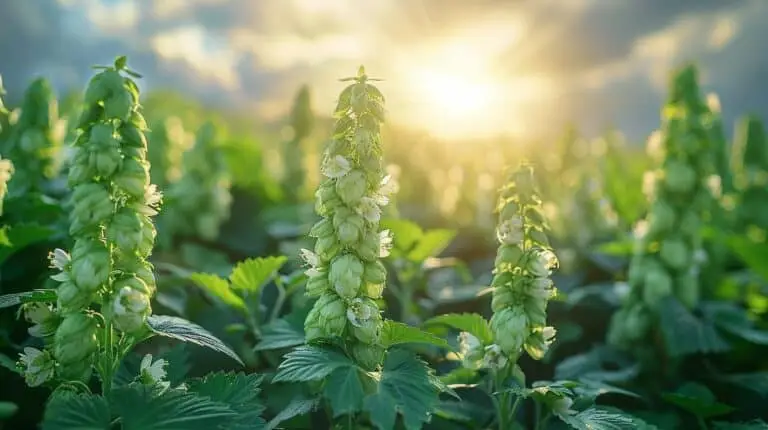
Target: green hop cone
[(133, 177), (364, 316), (674, 253), (92, 205), (510, 329), (680, 177), (503, 297), (368, 356), (318, 285), (91, 265), (75, 344), (352, 187), (328, 317), (346, 275), (125, 229), (131, 306), (70, 298)]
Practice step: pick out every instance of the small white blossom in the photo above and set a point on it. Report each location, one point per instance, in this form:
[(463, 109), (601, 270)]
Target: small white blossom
[(153, 373), (129, 301), (311, 261), (359, 312), (510, 231), (543, 262), (335, 167), (38, 366), (152, 199), (494, 357), (385, 243), (369, 209), (387, 187), (59, 259)]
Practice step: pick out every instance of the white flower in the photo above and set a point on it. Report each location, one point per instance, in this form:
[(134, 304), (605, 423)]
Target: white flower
[(311, 261), (385, 243), (548, 333), (387, 187), (542, 263), (130, 301), (494, 357), (468, 342), (153, 370), (37, 313), (38, 366), (369, 209), (59, 259), (335, 167), (360, 312), (152, 199), (510, 231)]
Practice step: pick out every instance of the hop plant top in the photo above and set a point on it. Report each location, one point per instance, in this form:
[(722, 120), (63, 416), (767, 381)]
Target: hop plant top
[(345, 269)]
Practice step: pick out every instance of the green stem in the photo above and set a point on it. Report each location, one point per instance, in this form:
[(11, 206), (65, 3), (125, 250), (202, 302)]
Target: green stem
[(107, 360), (279, 301), (505, 413)]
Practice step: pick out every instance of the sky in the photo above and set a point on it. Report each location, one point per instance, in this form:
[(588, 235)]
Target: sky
[(453, 68)]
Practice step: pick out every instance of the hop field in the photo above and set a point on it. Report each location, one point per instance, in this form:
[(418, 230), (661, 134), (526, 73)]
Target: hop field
[(166, 267)]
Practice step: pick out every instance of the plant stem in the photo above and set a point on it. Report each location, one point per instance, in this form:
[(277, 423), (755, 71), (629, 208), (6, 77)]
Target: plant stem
[(279, 301), (108, 360), (505, 414)]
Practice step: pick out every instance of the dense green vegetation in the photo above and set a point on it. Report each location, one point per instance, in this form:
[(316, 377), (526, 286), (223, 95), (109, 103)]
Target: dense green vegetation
[(168, 267)]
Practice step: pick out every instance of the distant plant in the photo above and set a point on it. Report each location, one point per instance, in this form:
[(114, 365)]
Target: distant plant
[(301, 123)]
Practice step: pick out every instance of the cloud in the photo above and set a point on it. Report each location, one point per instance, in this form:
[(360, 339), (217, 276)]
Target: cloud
[(593, 62)]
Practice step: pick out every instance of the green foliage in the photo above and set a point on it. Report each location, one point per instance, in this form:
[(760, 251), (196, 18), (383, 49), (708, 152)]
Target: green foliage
[(395, 333), (67, 410), (474, 324), (251, 275), (310, 363), (186, 331)]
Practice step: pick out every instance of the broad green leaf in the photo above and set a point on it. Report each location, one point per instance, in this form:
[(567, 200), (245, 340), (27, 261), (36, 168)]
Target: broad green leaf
[(295, 408), (405, 234), (754, 255), (181, 329), (8, 300), (344, 390), (279, 334), (405, 387), (396, 333), (697, 400), (474, 324), (67, 410), (251, 275), (310, 363), (753, 335), (21, 236), (218, 288), (4, 239), (431, 244), (686, 334), (598, 419), (7, 410), (141, 407), (751, 425), (239, 391), (755, 381)]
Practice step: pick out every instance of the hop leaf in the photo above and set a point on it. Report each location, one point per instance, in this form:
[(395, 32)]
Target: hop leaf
[(181, 329), (474, 324), (310, 363), (251, 275), (239, 391), (67, 410)]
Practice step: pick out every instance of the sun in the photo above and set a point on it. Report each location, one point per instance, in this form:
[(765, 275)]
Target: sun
[(458, 97)]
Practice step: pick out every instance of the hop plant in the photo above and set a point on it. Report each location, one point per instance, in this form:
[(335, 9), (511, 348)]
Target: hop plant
[(669, 249), (345, 271), (199, 203), (751, 153), (6, 172), (524, 261), (302, 122), (168, 140), (110, 222), (35, 140)]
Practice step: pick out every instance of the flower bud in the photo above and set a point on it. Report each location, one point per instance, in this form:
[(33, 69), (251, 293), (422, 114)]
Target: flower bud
[(350, 230), (318, 285), (131, 306), (72, 299), (119, 106), (91, 270), (351, 187), (510, 329), (140, 268), (675, 253), (373, 291), (133, 177), (75, 342), (346, 275), (369, 357), (327, 248), (508, 255), (38, 366), (125, 229), (333, 316), (45, 320), (365, 318), (658, 285), (322, 228), (375, 272)]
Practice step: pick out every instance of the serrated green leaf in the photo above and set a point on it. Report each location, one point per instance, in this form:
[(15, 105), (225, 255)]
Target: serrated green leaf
[(396, 333), (8, 300), (218, 288), (295, 408), (405, 234), (686, 334), (310, 363), (750, 334), (169, 410), (181, 329), (474, 324), (598, 419), (344, 390), (22, 235), (67, 411), (239, 391), (431, 244), (250, 275), (279, 334), (405, 387), (697, 400)]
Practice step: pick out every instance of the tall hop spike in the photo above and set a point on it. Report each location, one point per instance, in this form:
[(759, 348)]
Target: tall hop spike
[(751, 166), (669, 249), (524, 261), (345, 268), (110, 222)]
